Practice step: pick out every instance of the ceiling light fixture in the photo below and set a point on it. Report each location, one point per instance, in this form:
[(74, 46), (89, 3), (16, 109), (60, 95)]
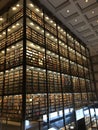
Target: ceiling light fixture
[(14, 8), (4, 33), (37, 27), (51, 21), (9, 30), (31, 5), (47, 18), (32, 24), (1, 19), (54, 24), (52, 37), (17, 5), (37, 9), (17, 24), (93, 12), (3, 52), (76, 20), (42, 14), (13, 46), (47, 34), (13, 26), (86, 1), (58, 27), (67, 10)]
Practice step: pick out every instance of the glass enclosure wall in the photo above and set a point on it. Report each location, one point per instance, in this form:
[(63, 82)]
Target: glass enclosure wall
[(46, 77)]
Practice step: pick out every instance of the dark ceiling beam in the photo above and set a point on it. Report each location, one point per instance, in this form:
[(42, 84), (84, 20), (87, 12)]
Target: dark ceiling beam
[(85, 31), (62, 6), (78, 25), (93, 19), (92, 6), (71, 16)]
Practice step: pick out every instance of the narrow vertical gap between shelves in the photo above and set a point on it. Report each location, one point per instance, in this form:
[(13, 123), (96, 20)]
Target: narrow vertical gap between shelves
[(47, 89), (87, 92), (72, 90), (24, 68), (64, 120), (79, 79), (90, 72)]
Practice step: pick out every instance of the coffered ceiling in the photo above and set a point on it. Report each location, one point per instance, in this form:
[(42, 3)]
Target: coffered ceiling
[(80, 16)]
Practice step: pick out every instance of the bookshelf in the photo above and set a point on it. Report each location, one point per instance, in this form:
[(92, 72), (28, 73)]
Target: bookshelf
[(49, 67)]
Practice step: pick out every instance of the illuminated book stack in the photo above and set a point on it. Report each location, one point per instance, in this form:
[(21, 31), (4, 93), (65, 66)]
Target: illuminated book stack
[(46, 79)]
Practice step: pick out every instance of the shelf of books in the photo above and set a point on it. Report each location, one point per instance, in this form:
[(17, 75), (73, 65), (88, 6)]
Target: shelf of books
[(44, 72)]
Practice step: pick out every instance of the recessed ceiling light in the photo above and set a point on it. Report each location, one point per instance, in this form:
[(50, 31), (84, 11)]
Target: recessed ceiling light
[(30, 100), (37, 27), (93, 12), (17, 24), (47, 18), (51, 21), (1, 19), (32, 24), (37, 9), (17, 5), (86, 1), (42, 14), (4, 32), (0, 35), (54, 24), (67, 10), (14, 8), (76, 20), (47, 34), (58, 27), (31, 5), (9, 30), (13, 46), (2, 52), (59, 41), (13, 26)]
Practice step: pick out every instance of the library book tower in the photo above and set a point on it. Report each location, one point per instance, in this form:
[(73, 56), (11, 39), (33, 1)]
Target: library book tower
[(46, 76)]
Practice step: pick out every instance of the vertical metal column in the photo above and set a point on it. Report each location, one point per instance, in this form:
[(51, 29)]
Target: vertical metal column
[(92, 72), (4, 72), (78, 75), (24, 67), (47, 89), (86, 89), (80, 83), (72, 91), (61, 79)]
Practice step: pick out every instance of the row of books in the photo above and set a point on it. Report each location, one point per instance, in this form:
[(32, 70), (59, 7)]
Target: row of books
[(38, 81), (36, 105)]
